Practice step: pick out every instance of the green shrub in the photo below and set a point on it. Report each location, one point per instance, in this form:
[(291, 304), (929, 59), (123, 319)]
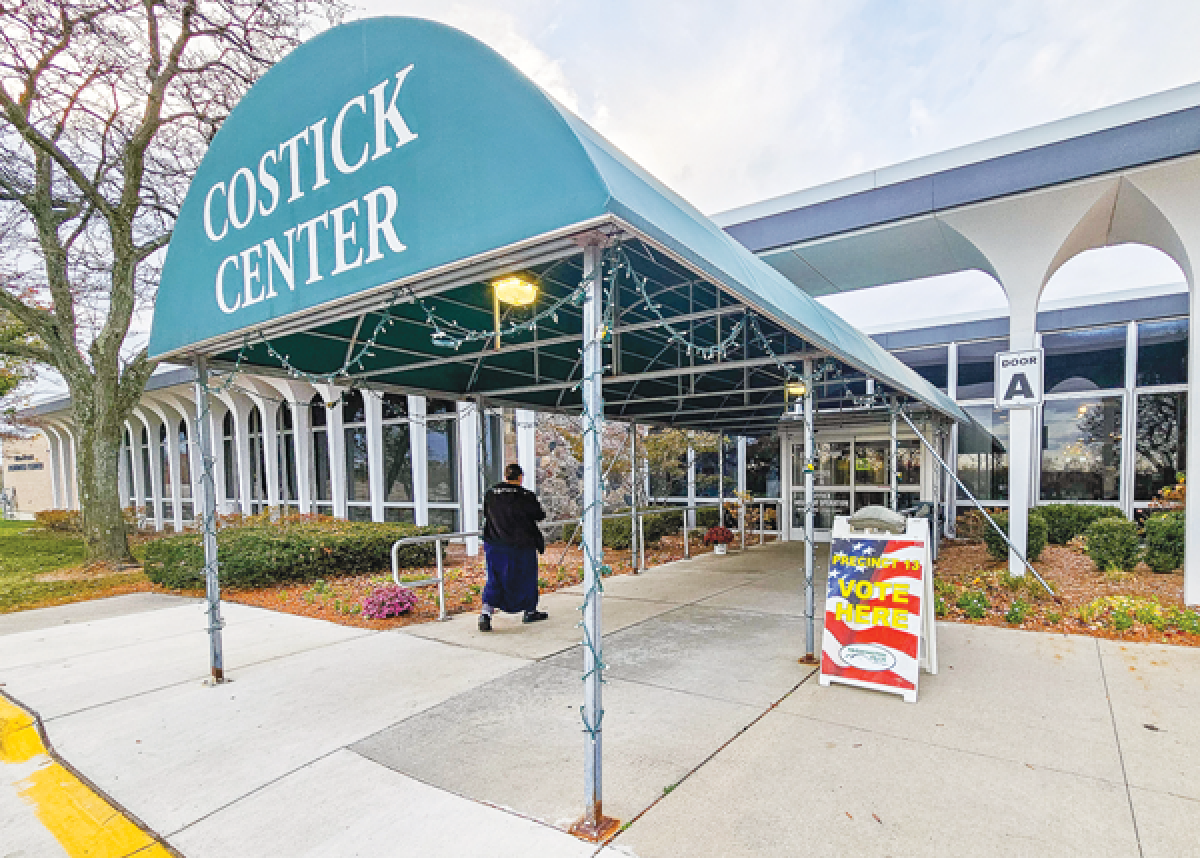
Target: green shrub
[(656, 526), (1185, 620), (1164, 541), (1112, 543), (706, 517), (974, 604), (616, 533), (258, 552), (60, 520), (1035, 539), (1017, 612), (1065, 521)]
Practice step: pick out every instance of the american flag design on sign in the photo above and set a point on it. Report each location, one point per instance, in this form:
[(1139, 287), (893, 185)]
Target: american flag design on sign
[(873, 612)]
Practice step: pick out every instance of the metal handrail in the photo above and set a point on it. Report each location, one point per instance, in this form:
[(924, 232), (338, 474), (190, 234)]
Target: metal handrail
[(437, 539)]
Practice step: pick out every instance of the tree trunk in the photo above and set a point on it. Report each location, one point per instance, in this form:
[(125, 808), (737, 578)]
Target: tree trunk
[(105, 536)]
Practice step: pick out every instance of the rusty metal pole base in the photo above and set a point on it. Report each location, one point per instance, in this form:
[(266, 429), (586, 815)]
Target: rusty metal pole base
[(217, 678), (808, 659), (595, 827)]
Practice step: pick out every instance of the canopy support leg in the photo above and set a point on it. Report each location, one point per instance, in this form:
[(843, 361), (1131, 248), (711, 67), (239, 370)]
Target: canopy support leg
[(635, 562), (593, 826), (208, 492), (810, 631)]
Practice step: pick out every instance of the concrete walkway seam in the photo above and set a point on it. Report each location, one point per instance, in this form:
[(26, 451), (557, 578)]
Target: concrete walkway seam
[(63, 795), (1120, 753)]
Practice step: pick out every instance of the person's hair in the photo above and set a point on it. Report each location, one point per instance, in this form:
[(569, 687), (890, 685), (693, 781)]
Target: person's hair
[(513, 472)]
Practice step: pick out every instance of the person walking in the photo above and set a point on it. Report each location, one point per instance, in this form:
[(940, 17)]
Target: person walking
[(511, 544)]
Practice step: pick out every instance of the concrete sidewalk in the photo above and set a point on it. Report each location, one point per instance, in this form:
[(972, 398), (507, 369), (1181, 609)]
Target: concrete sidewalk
[(441, 740)]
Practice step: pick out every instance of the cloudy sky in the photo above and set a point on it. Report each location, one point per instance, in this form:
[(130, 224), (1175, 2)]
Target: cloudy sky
[(730, 103), (734, 101)]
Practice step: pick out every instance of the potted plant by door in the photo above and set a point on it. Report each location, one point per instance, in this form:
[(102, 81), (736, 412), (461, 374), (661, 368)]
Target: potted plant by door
[(718, 537)]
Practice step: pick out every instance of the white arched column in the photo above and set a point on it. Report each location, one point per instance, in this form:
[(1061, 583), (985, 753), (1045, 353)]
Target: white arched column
[(469, 465), (72, 469), (1173, 189), (418, 444), (527, 446), (57, 466), (137, 477), (1025, 239)]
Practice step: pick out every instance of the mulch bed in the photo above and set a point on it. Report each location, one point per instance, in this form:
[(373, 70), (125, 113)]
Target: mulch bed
[(965, 564), (339, 600)]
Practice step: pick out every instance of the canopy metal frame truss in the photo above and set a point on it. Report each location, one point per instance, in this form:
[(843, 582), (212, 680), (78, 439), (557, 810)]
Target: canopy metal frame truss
[(609, 355)]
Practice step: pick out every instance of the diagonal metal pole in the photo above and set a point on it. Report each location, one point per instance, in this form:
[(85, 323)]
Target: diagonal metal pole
[(946, 469), (208, 491), (593, 826)]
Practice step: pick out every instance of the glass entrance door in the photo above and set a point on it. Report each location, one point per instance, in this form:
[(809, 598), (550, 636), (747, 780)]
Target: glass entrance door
[(851, 474)]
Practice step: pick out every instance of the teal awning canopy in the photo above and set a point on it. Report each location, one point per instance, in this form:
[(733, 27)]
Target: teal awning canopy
[(375, 182)]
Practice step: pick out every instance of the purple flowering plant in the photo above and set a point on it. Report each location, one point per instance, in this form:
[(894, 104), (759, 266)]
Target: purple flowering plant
[(388, 601)]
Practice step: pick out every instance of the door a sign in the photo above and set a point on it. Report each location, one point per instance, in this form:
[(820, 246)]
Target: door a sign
[(879, 626), (1019, 379)]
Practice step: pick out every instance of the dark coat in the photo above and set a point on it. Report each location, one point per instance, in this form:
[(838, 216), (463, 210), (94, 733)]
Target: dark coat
[(511, 514)]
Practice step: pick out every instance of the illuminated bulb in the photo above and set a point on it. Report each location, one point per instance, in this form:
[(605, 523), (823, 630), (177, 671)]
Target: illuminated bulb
[(515, 290), (795, 388)]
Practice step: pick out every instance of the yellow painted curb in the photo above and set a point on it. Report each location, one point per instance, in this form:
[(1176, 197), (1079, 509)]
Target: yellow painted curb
[(83, 822)]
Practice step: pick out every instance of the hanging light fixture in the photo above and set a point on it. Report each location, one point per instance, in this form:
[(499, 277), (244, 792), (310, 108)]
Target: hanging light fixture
[(795, 389), (515, 290)]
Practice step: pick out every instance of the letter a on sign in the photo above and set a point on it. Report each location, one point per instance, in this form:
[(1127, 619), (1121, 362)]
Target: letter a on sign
[(1019, 379)]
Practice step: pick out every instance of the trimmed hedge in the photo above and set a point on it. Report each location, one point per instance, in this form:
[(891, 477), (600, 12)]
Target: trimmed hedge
[(1165, 536), (1065, 521), (1035, 539), (1112, 543), (258, 552)]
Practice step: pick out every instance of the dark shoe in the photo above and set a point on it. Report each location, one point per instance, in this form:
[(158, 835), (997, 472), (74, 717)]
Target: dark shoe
[(535, 616), (485, 623)]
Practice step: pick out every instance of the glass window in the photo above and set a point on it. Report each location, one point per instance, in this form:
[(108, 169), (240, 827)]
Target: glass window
[(229, 456), (1092, 359), (908, 457), (862, 499), (983, 453), (258, 461), (185, 470), (397, 464), (440, 406), (707, 465), (447, 518), (493, 450), (977, 368), (1162, 352), (1161, 442), (286, 454), (318, 409), (395, 406), (729, 449), (871, 463), (929, 363), (1081, 449), (832, 467), (762, 466), (826, 505), (358, 479), (441, 461), (666, 459), (398, 513), (324, 479), (359, 512), (354, 410)]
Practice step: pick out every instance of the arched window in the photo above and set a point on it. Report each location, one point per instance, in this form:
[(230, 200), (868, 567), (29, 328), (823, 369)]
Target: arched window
[(322, 479), (147, 482), (441, 458), (258, 462), (397, 460), (358, 482), (230, 457), (185, 472), (164, 464), (286, 456)]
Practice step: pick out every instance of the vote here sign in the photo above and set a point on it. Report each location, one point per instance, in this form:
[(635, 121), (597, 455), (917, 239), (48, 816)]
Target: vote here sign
[(1019, 379), (874, 610)]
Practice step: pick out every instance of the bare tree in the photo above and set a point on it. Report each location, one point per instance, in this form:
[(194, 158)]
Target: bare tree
[(106, 109)]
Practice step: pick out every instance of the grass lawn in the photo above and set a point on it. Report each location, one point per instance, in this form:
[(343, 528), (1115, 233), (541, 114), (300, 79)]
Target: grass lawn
[(39, 568)]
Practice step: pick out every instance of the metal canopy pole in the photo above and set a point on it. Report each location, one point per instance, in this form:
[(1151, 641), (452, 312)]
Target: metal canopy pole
[(810, 632), (895, 476), (634, 563), (208, 492), (594, 825)]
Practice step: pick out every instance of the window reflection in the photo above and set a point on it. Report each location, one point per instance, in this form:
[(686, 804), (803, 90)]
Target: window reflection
[(1092, 359), (1081, 449), (1161, 442), (983, 453), (1162, 352)]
